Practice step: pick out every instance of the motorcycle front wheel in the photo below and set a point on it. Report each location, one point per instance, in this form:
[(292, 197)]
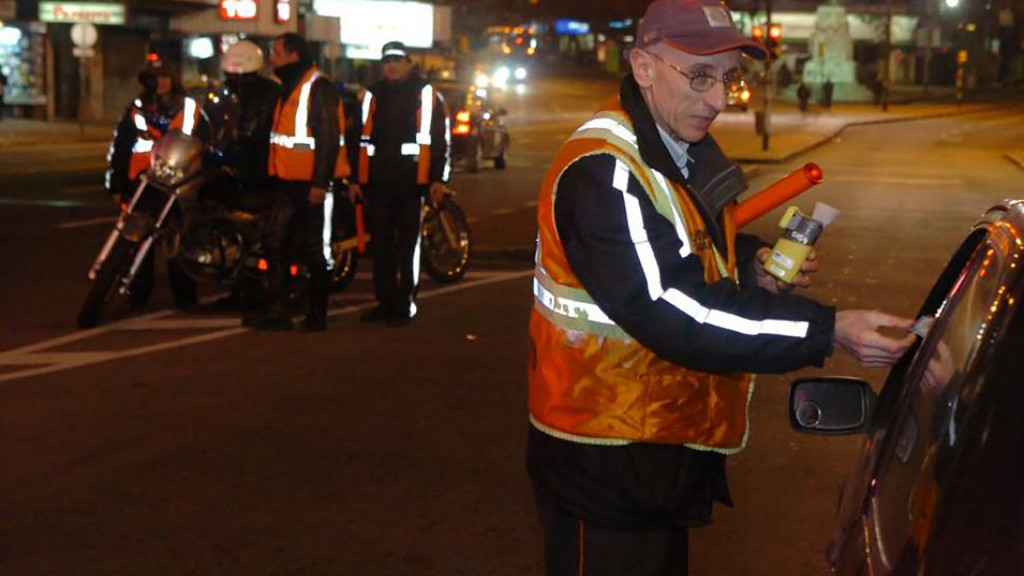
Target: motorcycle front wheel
[(107, 283), (446, 242)]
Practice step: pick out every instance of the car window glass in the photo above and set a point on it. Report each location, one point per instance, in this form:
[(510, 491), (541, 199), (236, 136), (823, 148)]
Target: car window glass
[(924, 428)]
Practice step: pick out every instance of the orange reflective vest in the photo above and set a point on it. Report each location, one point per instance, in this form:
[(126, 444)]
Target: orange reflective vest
[(590, 382), (186, 120), (291, 145), (420, 149)]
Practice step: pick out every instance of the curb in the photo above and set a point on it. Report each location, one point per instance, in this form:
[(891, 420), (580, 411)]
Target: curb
[(830, 136), (1016, 158)]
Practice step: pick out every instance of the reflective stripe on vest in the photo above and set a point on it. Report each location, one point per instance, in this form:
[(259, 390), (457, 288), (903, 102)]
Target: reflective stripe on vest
[(292, 149), (590, 381), (420, 149), (185, 120)]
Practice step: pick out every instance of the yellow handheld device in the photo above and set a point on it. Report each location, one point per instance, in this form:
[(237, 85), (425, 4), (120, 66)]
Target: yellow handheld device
[(799, 234)]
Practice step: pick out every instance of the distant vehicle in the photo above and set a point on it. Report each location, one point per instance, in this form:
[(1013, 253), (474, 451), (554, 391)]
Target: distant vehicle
[(477, 129), (502, 74), (938, 489)]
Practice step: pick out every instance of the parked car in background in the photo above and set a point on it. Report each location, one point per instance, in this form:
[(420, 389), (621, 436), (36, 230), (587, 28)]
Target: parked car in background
[(477, 127), (938, 489)]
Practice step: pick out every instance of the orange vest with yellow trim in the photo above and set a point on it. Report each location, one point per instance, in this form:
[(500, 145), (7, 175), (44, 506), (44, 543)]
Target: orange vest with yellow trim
[(589, 381), (186, 120), (292, 146)]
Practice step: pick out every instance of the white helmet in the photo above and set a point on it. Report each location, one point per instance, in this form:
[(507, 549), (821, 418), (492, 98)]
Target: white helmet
[(242, 57)]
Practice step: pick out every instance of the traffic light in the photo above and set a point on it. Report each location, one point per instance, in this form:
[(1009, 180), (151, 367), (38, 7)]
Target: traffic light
[(774, 42)]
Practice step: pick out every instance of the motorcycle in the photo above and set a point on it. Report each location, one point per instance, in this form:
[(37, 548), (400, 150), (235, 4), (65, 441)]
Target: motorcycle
[(445, 241), (183, 205)]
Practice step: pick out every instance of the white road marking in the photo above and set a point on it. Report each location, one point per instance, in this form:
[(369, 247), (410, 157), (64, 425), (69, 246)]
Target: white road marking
[(87, 222), (83, 189), (45, 361)]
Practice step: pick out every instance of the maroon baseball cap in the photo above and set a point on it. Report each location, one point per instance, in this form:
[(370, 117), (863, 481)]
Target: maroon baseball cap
[(694, 26)]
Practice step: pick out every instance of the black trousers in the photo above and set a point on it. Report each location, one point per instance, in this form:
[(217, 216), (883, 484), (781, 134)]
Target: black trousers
[(576, 547), (295, 233), (395, 220), (183, 287)]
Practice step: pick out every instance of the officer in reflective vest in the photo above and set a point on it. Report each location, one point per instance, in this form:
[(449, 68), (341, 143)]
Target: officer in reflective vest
[(306, 156), (404, 158), (651, 314), (161, 106)]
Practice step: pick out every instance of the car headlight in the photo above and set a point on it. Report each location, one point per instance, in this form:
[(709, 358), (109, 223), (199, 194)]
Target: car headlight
[(520, 73), (502, 74), (482, 80)]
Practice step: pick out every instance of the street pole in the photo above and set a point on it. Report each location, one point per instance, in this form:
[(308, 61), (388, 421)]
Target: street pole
[(767, 91), (886, 69)]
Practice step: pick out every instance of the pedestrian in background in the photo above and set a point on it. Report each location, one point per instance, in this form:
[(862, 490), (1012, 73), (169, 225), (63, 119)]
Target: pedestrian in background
[(306, 156), (651, 314), (827, 89), (803, 96), (3, 91), (161, 106), (404, 158)]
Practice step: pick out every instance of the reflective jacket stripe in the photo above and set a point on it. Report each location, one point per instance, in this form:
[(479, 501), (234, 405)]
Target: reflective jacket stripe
[(291, 145), (366, 149), (423, 135), (185, 120), (420, 148)]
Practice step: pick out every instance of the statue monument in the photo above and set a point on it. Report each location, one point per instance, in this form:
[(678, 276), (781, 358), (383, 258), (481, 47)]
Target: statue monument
[(831, 49)]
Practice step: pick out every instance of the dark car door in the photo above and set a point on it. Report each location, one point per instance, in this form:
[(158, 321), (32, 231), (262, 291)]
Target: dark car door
[(891, 502)]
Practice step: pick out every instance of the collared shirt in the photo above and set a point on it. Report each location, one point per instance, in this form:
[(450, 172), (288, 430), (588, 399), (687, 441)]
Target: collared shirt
[(678, 150)]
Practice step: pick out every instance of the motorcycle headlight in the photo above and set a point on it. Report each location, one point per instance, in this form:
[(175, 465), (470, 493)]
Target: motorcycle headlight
[(167, 173), (520, 73)]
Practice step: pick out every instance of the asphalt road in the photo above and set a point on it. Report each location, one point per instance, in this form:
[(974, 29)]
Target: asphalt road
[(183, 444)]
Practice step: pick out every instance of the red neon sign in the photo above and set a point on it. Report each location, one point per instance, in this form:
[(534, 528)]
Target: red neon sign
[(239, 9), (282, 11)]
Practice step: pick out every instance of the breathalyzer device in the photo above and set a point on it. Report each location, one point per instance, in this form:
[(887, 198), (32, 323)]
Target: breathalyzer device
[(800, 232)]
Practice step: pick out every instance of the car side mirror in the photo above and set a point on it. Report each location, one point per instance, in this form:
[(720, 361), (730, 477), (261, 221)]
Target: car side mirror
[(830, 405)]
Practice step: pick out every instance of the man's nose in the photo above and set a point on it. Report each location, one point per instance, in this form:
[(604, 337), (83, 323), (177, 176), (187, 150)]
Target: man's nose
[(718, 96)]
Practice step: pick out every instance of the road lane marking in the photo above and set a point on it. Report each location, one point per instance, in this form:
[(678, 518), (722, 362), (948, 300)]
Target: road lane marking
[(83, 189), (47, 361), (87, 222)]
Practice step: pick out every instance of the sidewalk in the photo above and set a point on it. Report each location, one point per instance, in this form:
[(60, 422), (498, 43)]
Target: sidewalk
[(23, 132)]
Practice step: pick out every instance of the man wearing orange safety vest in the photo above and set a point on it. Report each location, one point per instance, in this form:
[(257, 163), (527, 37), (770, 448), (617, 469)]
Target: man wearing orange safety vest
[(404, 158), (307, 154), (161, 106), (651, 314)]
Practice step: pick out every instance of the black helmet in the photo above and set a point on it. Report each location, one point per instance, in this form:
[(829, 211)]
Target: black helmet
[(157, 67)]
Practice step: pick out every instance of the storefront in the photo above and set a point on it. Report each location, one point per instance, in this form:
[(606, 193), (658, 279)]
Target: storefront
[(208, 33), (23, 62)]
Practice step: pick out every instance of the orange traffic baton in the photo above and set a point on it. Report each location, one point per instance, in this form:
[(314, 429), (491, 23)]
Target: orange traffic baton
[(793, 184)]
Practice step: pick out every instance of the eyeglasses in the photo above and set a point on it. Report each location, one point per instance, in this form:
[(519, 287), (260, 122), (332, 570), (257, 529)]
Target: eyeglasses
[(701, 82)]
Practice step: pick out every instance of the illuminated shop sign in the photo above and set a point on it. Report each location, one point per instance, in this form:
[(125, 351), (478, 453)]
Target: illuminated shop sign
[(366, 25), (282, 11), (92, 12), (571, 27), (239, 9)]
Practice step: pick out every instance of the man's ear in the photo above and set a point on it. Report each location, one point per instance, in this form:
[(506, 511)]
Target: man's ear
[(643, 67)]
